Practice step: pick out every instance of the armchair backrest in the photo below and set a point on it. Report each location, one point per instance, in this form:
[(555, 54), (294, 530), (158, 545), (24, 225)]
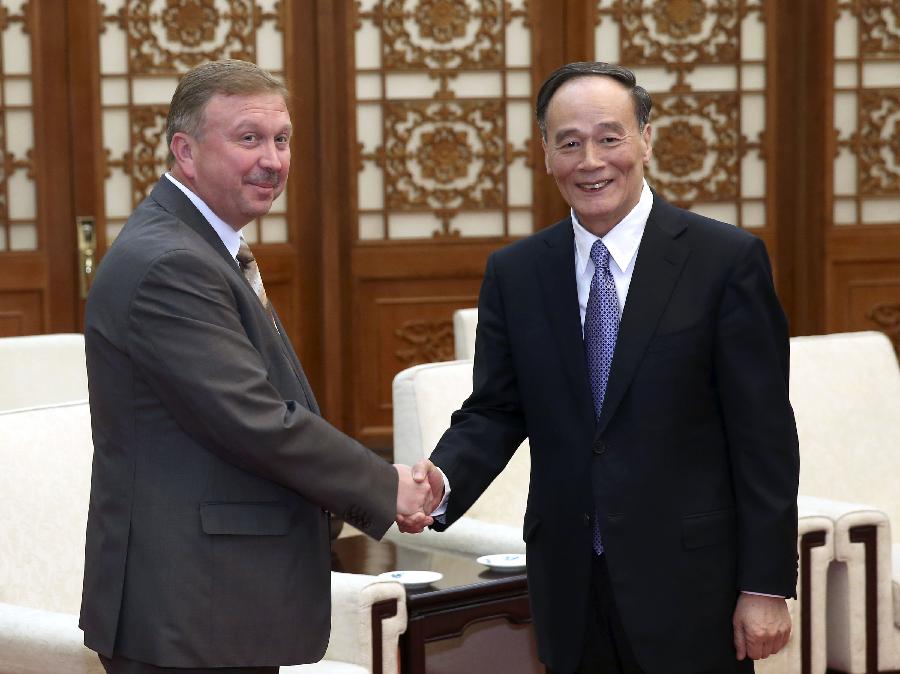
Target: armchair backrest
[(42, 370), (845, 390), (45, 479), (464, 323), (424, 398)]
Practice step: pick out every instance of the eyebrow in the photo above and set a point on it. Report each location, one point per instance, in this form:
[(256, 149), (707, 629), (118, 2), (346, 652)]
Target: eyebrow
[(602, 126)]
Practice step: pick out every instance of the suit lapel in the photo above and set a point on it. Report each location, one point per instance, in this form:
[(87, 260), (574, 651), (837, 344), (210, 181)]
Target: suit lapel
[(659, 262), (173, 200), (557, 280)]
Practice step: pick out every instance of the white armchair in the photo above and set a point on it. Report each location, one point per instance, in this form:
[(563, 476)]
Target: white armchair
[(42, 370), (424, 397), (465, 321), (46, 457), (845, 390)]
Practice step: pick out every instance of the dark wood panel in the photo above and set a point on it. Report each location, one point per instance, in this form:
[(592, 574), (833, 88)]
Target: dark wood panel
[(864, 294), (21, 313), (399, 323)]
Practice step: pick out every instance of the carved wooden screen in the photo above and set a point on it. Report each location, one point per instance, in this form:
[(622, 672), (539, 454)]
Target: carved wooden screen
[(145, 45), (704, 64), (18, 205), (443, 154), (443, 119), (863, 242)]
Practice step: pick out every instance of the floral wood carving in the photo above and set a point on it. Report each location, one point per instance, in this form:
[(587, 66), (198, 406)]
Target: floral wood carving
[(878, 142), (887, 317), (23, 16), (166, 36), (147, 159), (697, 147), (444, 155), (424, 341), (441, 34), (879, 27), (678, 33)]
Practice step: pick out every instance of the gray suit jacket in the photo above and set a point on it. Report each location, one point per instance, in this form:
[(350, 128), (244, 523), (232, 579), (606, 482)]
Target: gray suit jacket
[(207, 536)]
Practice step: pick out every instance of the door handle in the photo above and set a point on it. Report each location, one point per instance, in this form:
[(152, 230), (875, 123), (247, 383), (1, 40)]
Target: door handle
[(84, 234)]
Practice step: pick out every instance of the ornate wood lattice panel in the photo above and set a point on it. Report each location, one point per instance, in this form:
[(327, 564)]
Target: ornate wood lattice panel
[(145, 45), (704, 63), (443, 119), (866, 113), (18, 194)]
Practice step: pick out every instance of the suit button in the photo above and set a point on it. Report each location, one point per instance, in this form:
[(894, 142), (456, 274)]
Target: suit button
[(587, 519), (599, 447)]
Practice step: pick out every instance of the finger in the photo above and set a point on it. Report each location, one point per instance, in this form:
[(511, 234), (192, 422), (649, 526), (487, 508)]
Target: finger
[(740, 643), (422, 469)]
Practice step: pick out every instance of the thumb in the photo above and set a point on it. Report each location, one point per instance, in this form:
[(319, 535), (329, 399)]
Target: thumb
[(421, 469)]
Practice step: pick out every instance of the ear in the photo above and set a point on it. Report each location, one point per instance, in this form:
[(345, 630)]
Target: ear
[(183, 150), (546, 156), (646, 137)]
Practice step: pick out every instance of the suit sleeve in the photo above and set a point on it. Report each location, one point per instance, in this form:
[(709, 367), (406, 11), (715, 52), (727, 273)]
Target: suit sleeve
[(187, 338), (486, 431), (751, 365)]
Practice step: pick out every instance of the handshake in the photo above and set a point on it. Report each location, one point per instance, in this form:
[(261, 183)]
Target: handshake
[(419, 491)]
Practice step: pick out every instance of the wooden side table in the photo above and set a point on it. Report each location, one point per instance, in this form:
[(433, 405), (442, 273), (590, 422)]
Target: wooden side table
[(474, 620)]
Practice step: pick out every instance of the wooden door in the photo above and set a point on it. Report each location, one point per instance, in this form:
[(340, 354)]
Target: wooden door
[(37, 293), (87, 86)]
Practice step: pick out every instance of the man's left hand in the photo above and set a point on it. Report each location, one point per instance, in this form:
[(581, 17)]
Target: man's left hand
[(762, 626)]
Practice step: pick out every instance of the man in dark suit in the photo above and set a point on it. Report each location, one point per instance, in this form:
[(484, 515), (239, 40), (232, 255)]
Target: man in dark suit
[(208, 532), (643, 352)]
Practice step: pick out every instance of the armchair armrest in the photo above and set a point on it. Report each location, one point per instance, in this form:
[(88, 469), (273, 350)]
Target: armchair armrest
[(368, 616)]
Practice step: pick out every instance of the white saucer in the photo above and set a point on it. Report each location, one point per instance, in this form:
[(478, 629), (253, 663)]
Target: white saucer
[(506, 562), (412, 579)]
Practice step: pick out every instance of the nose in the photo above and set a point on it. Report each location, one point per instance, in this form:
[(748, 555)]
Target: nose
[(270, 157), (592, 156)]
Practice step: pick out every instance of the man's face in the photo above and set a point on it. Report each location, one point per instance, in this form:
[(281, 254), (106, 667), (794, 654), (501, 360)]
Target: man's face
[(594, 150), (240, 162)]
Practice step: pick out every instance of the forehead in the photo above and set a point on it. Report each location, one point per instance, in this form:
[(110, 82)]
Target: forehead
[(263, 107), (593, 98)]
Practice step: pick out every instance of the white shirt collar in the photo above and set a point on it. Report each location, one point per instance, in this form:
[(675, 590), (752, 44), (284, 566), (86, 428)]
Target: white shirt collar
[(230, 238), (622, 240)]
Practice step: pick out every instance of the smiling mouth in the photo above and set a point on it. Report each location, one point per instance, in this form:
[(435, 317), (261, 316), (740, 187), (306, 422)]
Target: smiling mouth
[(594, 186)]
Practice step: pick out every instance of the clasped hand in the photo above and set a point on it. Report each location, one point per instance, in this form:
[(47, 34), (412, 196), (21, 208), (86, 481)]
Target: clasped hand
[(419, 491)]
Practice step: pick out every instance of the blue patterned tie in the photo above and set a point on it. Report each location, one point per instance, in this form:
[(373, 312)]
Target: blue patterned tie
[(601, 327)]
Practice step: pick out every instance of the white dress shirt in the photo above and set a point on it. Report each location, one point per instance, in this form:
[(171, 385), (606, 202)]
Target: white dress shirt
[(622, 241)]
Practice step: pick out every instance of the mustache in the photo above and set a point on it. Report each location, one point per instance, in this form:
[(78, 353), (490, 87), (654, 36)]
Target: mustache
[(270, 178)]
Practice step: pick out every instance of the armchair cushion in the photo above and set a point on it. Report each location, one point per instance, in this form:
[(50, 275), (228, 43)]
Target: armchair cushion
[(46, 369)]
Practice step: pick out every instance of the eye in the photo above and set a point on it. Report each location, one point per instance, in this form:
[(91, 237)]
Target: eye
[(609, 140), (282, 139), (248, 137), (569, 145)]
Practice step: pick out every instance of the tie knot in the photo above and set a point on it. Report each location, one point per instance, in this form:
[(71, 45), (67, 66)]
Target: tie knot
[(244, 254), (600, 255)]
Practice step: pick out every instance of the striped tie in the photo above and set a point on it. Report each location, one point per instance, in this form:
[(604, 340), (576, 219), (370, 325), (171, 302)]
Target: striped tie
[(250, 269)]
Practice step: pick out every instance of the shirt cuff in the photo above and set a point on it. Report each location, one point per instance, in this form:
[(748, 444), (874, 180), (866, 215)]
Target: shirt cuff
[(438, 513), (762, 594)]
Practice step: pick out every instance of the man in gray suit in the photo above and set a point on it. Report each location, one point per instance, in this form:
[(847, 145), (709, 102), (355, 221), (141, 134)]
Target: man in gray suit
[(207, 535)]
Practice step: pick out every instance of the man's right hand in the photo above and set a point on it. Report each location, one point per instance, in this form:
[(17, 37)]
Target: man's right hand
[(414, 498), (424, 473)]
